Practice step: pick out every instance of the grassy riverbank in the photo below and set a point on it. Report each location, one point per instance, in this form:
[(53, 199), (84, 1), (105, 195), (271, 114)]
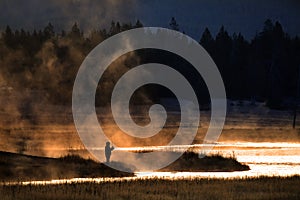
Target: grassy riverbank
[(250, 188), (190, 162), (18, 167)]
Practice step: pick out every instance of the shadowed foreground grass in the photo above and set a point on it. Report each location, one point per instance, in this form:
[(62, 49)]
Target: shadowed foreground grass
[(251, 188)]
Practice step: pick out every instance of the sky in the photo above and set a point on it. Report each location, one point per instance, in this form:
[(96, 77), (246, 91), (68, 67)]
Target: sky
[(245, 16)]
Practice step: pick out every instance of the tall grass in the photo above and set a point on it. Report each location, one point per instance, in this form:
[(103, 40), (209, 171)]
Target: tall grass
[(247, 188)]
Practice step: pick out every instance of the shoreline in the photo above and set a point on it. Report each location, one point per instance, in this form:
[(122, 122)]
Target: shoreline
[(19, 167)]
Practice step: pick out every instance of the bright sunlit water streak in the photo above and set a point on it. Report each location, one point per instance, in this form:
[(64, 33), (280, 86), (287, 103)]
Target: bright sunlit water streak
[(264, 159)]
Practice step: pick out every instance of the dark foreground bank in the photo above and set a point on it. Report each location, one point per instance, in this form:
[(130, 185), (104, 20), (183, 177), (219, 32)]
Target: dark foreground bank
[(250, 188)]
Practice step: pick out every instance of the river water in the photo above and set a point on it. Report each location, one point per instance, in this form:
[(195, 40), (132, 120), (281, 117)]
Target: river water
[(264, 159)]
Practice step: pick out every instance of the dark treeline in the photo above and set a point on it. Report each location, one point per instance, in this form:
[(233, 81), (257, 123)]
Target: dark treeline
[(265, 68), (48, 61)]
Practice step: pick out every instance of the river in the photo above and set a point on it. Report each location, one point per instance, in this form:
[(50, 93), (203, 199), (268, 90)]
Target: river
[(264, 159)]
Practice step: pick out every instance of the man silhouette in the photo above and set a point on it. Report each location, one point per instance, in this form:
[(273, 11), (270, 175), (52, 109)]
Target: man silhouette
[(108, 151)]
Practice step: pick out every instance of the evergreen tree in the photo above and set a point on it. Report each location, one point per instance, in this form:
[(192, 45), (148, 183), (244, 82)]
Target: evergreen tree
[(239, 75), (126, 26), (173, 24), (9, 38), (75, 32), (207, 41), (49, 31), (138, 24), (222, 55)]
